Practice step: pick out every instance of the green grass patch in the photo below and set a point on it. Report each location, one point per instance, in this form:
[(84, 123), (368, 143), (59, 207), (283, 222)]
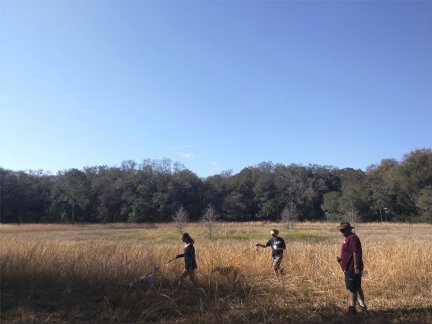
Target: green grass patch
[(301, 235), (146, 235), (262, 235), (236, 235)]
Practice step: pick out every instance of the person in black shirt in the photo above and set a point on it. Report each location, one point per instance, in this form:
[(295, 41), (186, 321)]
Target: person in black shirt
[(189, 260), (278, 246)]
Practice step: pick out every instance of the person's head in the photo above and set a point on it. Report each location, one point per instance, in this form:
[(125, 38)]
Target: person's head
[(345, 228), (187, 238), (274, 232)]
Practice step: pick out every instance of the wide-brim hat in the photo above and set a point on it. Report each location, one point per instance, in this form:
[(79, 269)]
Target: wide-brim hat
[(344, 226)]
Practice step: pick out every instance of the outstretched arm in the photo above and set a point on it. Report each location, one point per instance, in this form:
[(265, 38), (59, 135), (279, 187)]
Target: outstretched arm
[(261, 245), (179, 256)]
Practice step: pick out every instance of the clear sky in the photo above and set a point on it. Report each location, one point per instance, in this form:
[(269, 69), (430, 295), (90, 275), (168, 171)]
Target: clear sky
[(215, 85)]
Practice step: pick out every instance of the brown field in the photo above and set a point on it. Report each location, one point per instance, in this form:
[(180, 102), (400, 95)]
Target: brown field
[(80, 273)]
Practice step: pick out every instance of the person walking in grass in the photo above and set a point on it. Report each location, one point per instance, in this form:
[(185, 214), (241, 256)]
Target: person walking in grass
[(278, 247), (351, 262), (190, 264)]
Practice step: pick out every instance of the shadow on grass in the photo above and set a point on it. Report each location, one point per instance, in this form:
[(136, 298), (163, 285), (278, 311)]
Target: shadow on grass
[(395, 315), (45, 299)]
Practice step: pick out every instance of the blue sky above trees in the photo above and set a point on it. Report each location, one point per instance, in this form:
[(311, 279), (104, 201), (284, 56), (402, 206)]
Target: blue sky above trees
[(214, 85)]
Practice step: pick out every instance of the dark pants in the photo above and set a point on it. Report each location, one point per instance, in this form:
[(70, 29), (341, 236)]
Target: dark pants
[(352, 281)]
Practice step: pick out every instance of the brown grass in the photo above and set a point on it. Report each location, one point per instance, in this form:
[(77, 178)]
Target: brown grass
[(79, 273)]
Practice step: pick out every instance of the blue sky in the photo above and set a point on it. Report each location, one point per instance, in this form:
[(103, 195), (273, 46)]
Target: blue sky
[(215, 85)]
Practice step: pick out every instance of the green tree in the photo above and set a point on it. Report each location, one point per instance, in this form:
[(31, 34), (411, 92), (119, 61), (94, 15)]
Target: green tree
[(264, 190), (185, 188), (298, 184), (239, 201), (424, 203), (354, 195), (378, 183), (107, 191), (72, 191), (331, 206), (215, 189)]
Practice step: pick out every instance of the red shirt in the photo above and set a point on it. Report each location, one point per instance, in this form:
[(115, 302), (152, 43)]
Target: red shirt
[(350, 245)]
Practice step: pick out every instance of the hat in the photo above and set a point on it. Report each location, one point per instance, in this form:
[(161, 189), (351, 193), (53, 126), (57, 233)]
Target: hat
[(274, 231), (344, 226)]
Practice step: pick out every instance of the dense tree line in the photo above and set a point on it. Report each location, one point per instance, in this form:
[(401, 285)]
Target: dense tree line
[(153, 191)]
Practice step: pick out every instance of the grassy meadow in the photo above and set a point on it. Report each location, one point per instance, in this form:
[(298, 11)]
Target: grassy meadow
[(80, 273)]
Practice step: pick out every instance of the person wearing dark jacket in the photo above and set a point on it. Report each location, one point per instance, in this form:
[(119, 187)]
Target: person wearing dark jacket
[(189, 260)]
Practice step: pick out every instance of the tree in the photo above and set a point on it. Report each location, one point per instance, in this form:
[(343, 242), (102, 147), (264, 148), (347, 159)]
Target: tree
[(72, 191), (354, 195), (214, 191), (239, 201), (3, 174), (416, 169), (352, 216), (109, 189), (330, 206), (11, 196), (209, 220), (185, 189), (153, 191), (133, 216), (378, 187), (289, 215), (264, 190), (300, 185), (180, 219), (413, 175), (424, 203)]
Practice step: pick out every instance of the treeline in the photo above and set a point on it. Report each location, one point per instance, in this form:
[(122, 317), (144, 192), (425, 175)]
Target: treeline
[(153, 191)]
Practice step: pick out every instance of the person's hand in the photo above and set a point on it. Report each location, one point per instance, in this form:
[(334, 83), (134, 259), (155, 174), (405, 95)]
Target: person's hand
[(357, 272), (339, 259), (178, 256)]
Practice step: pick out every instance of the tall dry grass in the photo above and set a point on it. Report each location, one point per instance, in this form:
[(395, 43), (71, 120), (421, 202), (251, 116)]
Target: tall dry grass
[(84, 276)]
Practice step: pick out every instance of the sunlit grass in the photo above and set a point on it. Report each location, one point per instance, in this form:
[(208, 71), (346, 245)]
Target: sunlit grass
[(80, 274), (168, 234)]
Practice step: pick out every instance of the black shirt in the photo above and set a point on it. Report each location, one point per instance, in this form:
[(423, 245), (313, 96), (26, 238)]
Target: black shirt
[(189, 257), (276, 242)]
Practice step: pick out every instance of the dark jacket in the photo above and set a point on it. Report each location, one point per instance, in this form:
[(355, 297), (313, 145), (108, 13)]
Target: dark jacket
[(189, 257)]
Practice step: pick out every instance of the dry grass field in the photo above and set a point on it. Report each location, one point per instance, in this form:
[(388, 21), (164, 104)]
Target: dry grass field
[(80, 273)]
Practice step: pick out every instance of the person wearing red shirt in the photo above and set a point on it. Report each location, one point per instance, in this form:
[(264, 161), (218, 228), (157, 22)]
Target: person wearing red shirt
[(351, 262)]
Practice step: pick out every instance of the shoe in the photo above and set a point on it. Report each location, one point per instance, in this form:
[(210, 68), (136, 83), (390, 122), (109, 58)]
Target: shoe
[(363, 309), (132, 283), (351, 310)]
